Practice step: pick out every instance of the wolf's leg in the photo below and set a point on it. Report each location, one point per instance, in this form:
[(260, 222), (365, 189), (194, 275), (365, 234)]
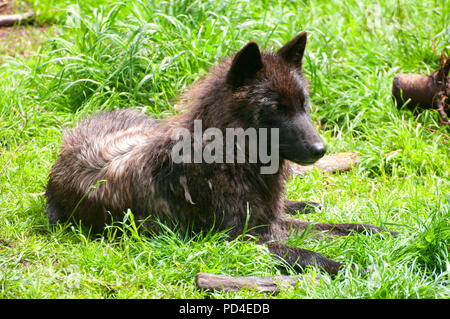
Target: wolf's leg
[(301, 258), (283, 226), (55, 214), (303, 207), (279, 231), (350, 229)]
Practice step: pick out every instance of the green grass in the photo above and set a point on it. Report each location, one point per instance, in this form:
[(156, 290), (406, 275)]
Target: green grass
[(139, 54)]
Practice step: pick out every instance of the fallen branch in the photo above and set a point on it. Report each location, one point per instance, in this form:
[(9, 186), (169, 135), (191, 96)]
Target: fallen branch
[(329, 163), (262, 284), (15, 19)]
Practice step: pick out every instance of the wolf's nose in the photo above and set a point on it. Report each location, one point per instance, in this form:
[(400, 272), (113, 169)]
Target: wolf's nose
[(318, 150)]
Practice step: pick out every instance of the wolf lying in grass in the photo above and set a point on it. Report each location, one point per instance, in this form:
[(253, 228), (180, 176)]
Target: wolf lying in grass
[(126, 160)]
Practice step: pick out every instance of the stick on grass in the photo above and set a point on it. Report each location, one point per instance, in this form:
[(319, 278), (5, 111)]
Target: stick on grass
[(262, 284), (15, 19)]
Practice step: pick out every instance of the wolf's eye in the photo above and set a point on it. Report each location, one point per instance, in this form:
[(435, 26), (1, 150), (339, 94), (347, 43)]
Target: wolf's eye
[(279, 107)]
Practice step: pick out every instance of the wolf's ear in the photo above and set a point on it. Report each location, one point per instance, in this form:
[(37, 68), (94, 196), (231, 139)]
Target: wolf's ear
[(245, 65), (292, 52)]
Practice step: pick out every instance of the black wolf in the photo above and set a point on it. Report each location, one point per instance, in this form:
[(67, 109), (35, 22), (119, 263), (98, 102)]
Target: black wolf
[(123, 160)]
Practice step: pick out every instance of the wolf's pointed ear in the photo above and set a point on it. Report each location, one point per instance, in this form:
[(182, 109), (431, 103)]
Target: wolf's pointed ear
[(292, 52), (245, 65)]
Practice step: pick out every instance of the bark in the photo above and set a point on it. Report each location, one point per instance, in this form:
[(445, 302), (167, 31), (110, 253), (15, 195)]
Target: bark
[(329, 163), (263, 284), (14, 19)]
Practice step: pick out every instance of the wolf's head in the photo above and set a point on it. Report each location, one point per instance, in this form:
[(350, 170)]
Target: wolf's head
[(271, 92)]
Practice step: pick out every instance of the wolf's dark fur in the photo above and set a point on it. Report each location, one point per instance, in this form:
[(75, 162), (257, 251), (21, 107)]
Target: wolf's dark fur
[(122, 160)]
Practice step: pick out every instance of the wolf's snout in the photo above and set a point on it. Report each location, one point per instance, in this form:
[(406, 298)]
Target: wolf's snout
[(318, 150)]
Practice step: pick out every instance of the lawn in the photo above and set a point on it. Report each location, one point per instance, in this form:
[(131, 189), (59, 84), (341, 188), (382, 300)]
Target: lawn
[(142, 54)]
